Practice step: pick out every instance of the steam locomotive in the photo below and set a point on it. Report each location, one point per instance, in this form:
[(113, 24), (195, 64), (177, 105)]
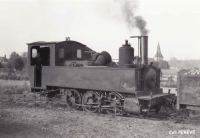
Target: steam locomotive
[(93, 81)]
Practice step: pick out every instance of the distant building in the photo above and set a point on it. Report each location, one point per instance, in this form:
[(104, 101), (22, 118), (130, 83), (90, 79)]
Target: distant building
[(158, 56), (3, 60)]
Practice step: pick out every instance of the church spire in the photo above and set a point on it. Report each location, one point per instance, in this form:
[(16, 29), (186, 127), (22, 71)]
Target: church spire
[(158, 56)]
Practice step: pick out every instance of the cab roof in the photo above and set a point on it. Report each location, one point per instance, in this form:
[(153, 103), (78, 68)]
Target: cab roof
[(41, 43), (56, 42)]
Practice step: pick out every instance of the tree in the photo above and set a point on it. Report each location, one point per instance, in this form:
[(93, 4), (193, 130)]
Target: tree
[(186, 64), (1, 66), (24, 54), (24, 58), (14, 55), (8, 65), (173, 59), (155, 64), (163, 65), (19, 64)]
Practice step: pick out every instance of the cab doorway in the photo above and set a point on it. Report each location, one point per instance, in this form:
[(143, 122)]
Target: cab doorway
[(40, 57)]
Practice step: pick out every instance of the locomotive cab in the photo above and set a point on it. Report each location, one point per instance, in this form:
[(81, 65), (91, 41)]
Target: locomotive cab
[(46, 55)]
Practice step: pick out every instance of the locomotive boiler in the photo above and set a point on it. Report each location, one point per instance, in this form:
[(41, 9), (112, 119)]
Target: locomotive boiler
[(92, 81)]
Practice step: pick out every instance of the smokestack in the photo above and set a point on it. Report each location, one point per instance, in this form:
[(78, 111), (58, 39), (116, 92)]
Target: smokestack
[(144, 49)]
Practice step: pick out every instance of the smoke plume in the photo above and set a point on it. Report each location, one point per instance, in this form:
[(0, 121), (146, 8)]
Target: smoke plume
[(140, 23), (128, 9)]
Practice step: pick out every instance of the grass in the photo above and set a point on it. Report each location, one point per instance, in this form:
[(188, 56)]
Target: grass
[(5, 76), (13, 91), (8, 74)]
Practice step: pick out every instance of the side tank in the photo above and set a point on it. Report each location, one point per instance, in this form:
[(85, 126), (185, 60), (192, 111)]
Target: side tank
[(126, 54)]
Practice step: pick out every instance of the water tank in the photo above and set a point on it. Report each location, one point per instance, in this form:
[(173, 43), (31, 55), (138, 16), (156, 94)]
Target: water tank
[(126, 55)]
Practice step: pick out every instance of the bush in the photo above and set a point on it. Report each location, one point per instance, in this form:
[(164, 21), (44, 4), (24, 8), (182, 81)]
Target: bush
[(163, 65), (14, 77), (14, 92), (1, 65), (3, 76)]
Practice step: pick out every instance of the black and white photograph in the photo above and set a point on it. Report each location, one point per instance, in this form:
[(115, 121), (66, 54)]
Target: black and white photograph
[(99, 68)]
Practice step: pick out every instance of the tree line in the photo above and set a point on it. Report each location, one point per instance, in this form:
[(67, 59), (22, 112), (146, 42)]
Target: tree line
[(161, 64), (16, 61), (19, 62), (183, 64), (177, 63)]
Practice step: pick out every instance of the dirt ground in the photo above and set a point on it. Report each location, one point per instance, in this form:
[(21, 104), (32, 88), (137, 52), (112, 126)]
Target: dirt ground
[(28, 121), (20, 118)]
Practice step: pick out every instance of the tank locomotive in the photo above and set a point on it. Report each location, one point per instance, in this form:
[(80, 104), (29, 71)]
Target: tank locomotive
[(93, 81)]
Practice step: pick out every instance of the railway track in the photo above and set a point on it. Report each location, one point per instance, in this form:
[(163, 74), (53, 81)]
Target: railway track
[(101, 109)]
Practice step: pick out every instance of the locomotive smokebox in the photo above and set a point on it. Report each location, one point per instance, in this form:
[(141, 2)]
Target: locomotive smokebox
[(144, 49), (126, 54)]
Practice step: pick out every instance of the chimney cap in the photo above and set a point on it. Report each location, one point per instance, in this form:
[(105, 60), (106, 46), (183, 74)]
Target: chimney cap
[(67, 38), (126, 43)]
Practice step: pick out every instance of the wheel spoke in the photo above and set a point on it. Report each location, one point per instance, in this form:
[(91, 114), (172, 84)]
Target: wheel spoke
[(69, 100), (76, 96), (73, 97), (90, 97), (77, 101), (70, 93), (114, 99), (70, 103)]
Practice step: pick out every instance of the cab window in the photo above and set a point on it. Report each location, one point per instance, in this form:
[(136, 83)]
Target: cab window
[(79, 53), (34, 53), (44, 52)]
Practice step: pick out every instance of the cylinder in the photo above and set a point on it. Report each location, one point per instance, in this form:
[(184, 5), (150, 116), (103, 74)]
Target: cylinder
[(144, 49), (126, 55), (131, 106)]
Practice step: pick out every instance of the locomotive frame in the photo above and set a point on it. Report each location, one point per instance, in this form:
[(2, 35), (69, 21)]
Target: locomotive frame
[(92, 81)]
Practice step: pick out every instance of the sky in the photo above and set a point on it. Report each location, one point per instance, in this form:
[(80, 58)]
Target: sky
[(102, 25)]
